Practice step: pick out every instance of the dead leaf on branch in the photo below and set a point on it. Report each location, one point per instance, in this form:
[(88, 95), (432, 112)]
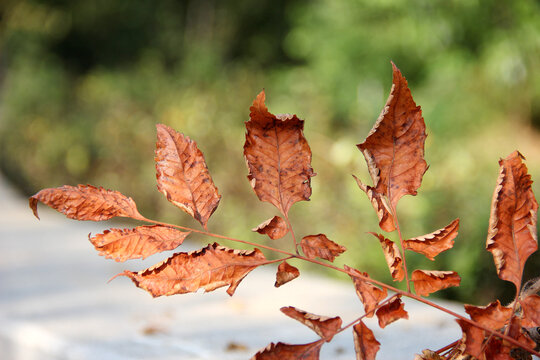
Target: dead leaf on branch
[(286, 273), (275, 228), (435, 243), (394, 148), (278, 157), (428, 355), (369, 294), (210, 268), (320, 246), (427, 282), (391, 312), (512, 225), (493, 315), (183, 176), (365, 344), (531, 310), (473, 338), (378, 201), (140, 242), (282, 351), (392, 257), (324, 326), (86, 202)]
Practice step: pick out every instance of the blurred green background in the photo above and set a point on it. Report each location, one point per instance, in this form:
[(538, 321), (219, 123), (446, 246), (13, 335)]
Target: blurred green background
[(82, 84)]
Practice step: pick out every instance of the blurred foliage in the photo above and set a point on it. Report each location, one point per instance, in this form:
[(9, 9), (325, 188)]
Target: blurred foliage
[(82, 84)]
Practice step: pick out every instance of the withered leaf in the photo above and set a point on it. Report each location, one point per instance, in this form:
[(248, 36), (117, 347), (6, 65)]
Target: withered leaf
[(140, 242), (496, 350), (278, 157), (282, 351), (210, 268), (86, 202), (531, 310), (275, 228), (386, 220), (394, 148), (435, 243), (369, 294), (285, 273), (493, 316), (392, 256), (427, 282), (428, 355), (473, 337), (512, 225), (391, 312), (365, 344), (320, 246), (182, 175), (324, 326)]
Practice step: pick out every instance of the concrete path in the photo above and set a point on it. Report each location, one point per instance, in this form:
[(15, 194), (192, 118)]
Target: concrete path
[(55, 303)]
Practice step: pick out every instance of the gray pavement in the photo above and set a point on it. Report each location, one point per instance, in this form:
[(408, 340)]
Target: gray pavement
[(55, 303)]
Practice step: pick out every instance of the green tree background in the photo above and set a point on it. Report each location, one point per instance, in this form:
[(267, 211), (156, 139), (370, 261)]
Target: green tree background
[(82, 84)]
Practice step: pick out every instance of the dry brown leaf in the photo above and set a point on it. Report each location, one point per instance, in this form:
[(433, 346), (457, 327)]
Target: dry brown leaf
[(285, 274), (140, 242), (365, 344), (512, 234), (496, 350), (392, 257), (531, 310), (282, 351), (369, 294), (427, 282), (320, 246), (391, 312), (386, 220), (324, 326), (183, 176), (210, 268), (473, 337), (275, 228), (86, 202), (435, 243), (394, 148), (493, 316), (278, 157), (428, 355)]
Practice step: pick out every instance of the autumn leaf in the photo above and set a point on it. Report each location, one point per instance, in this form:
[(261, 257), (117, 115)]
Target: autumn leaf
[(210, 268), (428, 355), (183, 176), (86, 202), (531, 310), (320, 246), (285, 274), (473, 337), (435, 243), (369, 294), (140, 242), (282, 351), (493, 315), (275, 228), (394, 148), (324, 326), (365, 344), (278, 157), (427, 282), (392, 257), (391, 312), (512, 225), (386, 220)]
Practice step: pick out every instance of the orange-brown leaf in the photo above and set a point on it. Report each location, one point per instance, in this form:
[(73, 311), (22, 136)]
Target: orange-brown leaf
[(512, 225), (183, 176), (386, 220), (275, 228), (285, 274), (140, 242), (493, 316), (435, 243), (324, 326), (210, 268), (394, 148), (427, 282), (86, 202), (278, 157), (392, 256), (282, 351), (473, 337), (369, 294), (531, 310), (320, 246), (365, 344), (391, 312)]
